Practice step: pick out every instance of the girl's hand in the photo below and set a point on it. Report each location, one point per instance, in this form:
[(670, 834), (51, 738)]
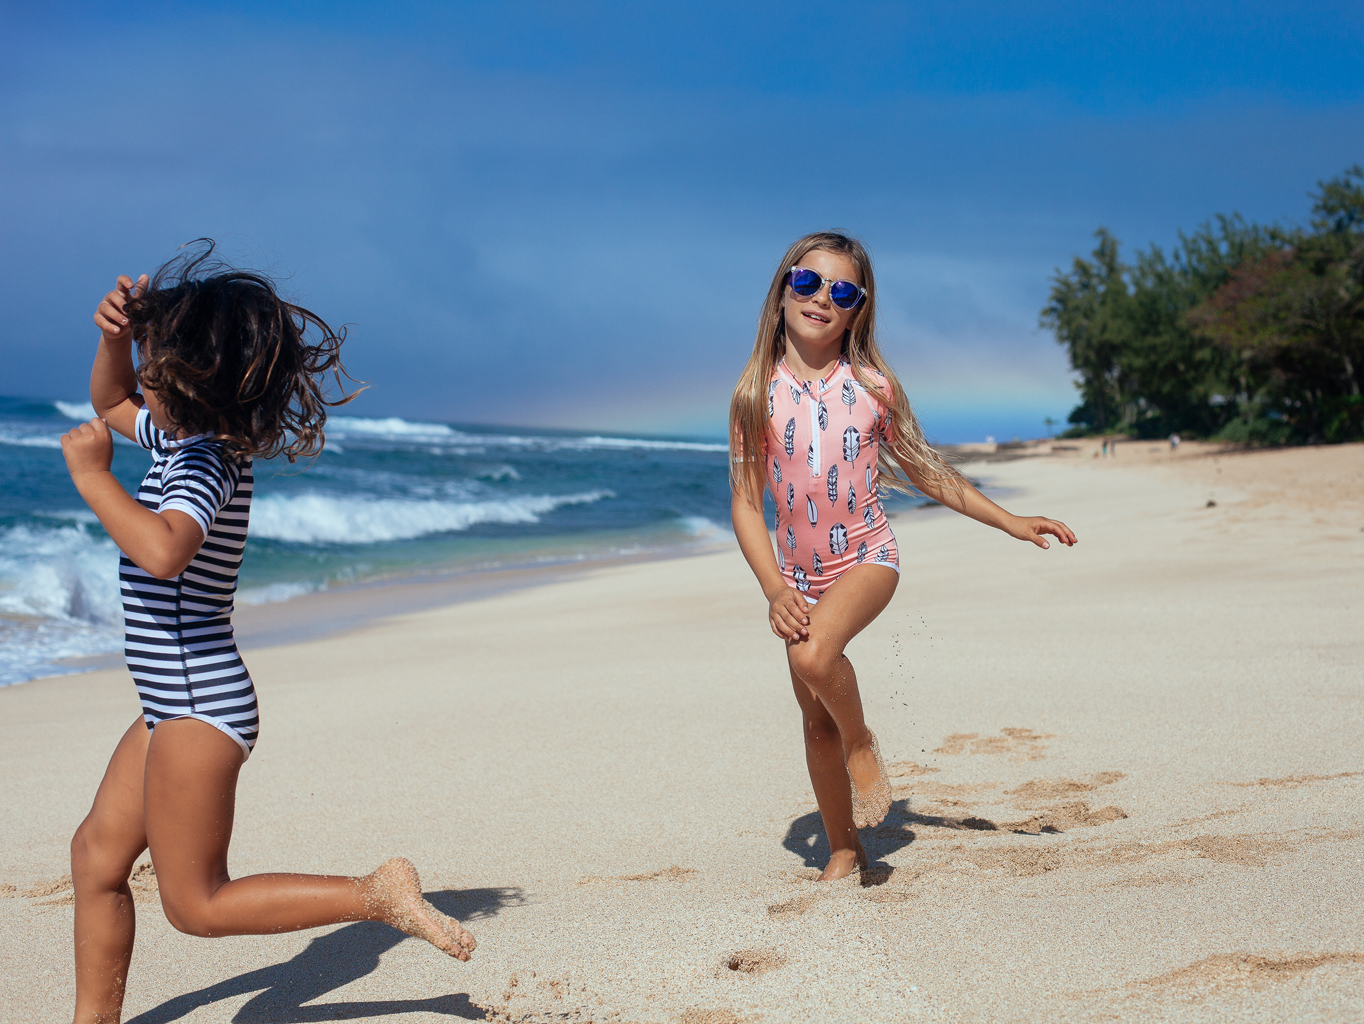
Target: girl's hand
[(88, 448), (788, 615), (109, 317), (1033, 527)]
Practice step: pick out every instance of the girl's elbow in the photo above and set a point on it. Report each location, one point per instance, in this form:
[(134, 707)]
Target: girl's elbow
[(164, 565)]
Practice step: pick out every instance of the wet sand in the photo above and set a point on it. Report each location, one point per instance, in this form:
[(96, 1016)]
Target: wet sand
[(1128, 781)]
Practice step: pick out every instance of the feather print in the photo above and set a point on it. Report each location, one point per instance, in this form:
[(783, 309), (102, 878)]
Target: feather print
[(781, 560), (852, 444), (795, 395), (771, 393), (883, 555), (838, 539), (861, 551), (810, 458), (833, 484), (802, 581), (819, 566), (791, 437), (805, 386), (790, 497), (849, 394), (869, 517), (822, 385), (852, 499), (776, 470), (810, 510), (823, 415), (791, 538), (870, 485)]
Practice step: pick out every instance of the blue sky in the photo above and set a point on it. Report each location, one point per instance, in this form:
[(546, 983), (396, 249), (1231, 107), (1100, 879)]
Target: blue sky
[(566, 214)]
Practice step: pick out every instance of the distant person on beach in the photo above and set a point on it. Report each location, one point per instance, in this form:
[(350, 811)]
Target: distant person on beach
[(1174, 442), (819, 419), (226, 375)]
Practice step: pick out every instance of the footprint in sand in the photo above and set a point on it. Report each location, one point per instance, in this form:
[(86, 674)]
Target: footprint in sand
[(752, 961), (1017, 744), (1250, 970), (949, 806)]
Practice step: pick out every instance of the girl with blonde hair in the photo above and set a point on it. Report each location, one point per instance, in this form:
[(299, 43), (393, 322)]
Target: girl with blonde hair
[(819, 419)]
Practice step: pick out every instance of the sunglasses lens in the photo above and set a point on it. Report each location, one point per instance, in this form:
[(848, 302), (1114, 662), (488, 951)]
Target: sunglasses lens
[(845, 294), (804, 282)]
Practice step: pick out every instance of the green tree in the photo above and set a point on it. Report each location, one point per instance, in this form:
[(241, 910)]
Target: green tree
[(1292, 320), (1089, 313)]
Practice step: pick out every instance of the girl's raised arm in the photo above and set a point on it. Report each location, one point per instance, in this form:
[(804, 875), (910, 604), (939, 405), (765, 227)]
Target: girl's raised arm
[(960, 496), (113, 381)]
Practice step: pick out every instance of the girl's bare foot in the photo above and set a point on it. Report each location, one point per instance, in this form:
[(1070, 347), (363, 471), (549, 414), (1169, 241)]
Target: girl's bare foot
[(843, 863), (394, 893), (870, 786)]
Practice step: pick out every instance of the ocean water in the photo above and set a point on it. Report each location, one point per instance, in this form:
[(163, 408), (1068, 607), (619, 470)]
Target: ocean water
[(387, 498)]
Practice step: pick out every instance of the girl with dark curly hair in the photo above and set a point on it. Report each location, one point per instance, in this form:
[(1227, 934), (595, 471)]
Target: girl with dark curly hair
[(227, 374)]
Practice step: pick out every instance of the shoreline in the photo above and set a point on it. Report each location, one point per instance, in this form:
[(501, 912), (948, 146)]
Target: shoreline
[(343, 609), (336, 610)]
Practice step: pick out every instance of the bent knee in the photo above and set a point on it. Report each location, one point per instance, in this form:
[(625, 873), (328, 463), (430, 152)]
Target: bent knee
[(814, 660), (188, 916)]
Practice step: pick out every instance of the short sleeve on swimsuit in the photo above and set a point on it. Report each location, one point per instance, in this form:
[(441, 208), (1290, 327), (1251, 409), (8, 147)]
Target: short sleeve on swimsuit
[(198, 481), (146, 435)]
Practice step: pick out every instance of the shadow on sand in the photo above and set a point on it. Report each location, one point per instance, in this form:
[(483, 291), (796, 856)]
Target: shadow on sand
[(336, 959), (805, 838)]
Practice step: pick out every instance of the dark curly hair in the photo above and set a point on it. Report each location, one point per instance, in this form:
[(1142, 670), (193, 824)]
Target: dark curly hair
[(227, 356)]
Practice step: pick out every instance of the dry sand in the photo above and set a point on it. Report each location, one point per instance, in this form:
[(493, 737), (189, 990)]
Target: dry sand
[(1128, 782)]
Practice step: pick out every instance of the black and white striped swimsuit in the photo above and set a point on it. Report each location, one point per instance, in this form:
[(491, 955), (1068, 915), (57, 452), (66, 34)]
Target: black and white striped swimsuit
[(178, 632)]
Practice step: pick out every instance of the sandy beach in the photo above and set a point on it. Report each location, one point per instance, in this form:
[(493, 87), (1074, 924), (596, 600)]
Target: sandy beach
[(1129, 782)]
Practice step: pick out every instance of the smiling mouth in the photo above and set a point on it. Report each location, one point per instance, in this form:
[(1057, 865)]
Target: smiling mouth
[(815, 317)]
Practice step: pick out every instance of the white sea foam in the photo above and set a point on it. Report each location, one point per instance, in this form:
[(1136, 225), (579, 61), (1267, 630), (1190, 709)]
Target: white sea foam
[(325, 519), (58, 598), (392, 427), (30, 440), (705, 529), (276, 592), (82, 411), (396, 429), (65, 573)]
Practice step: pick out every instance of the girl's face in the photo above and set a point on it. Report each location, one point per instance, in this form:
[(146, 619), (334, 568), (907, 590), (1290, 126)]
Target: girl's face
[(816, 321)]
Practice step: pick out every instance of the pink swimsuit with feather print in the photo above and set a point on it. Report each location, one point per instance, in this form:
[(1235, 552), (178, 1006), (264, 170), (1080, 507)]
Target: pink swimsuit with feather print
[(820, 452)]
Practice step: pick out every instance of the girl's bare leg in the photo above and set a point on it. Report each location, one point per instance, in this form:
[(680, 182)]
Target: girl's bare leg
[(190, 792), (837, 741), (173, 791), (103, 850)]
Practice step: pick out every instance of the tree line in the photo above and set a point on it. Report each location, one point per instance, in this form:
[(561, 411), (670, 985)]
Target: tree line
[(1242, 333)]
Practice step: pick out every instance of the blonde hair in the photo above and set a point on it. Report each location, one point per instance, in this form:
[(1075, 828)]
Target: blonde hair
[(748, 412)]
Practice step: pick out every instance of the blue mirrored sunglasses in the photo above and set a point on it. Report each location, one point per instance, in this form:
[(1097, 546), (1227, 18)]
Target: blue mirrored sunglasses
[(805, 283)]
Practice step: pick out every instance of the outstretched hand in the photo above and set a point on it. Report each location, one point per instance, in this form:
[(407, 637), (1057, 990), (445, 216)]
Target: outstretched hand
[(789, 615), (110, 317), (1034, 528)]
